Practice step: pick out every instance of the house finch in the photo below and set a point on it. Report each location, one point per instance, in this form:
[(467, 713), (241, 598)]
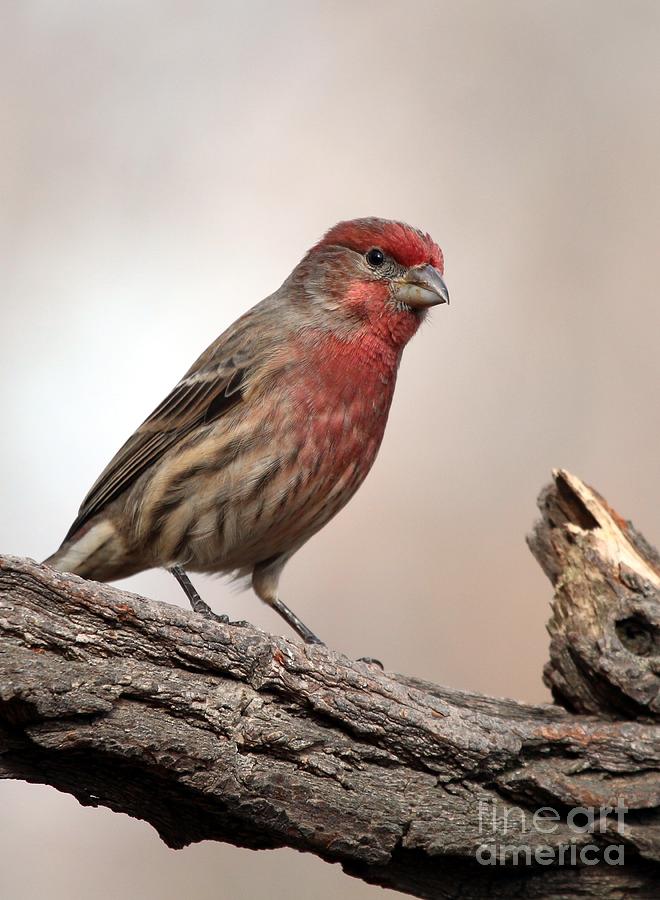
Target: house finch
[(273, 429)]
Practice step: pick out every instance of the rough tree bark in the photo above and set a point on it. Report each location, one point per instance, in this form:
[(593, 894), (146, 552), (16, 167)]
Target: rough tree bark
[(222, 732)]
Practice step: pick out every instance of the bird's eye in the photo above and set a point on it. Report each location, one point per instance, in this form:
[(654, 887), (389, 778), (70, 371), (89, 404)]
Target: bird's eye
[(375, 257)]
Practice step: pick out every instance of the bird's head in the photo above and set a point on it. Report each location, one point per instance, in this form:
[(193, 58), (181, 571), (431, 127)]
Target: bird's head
[(375, 274)]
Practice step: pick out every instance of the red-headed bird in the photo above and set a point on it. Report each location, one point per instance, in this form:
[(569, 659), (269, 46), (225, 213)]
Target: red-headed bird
[(273, 428)]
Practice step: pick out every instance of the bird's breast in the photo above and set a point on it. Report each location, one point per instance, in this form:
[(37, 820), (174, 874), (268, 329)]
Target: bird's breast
[(342, 401), (270, 474)]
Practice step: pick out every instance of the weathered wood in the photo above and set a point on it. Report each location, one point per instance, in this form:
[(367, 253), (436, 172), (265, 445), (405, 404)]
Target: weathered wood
[(605, 626), (211, 731)]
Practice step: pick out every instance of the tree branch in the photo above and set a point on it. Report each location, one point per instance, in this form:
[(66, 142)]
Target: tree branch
[(222, 732)]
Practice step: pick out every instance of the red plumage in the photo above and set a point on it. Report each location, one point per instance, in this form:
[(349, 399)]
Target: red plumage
[(274, 427), (407, 245)]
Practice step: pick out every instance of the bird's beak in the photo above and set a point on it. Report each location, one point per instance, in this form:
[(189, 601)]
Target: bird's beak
[(420, 287)]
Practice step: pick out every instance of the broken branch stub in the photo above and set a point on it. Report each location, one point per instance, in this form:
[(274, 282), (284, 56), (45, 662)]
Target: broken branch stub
[(605, 624)]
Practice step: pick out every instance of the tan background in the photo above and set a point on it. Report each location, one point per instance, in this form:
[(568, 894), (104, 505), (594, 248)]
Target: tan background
[(164, 166)]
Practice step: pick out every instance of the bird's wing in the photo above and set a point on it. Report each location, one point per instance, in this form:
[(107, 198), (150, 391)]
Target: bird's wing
[(207, 391)]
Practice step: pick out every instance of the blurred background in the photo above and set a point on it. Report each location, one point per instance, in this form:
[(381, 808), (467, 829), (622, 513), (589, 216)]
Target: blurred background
[(165, 164)]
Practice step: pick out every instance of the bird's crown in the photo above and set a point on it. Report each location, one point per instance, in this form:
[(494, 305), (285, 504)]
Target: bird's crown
[(407, 245)]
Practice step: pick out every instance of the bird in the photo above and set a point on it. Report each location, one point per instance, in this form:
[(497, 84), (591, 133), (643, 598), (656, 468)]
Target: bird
[(273, 428)]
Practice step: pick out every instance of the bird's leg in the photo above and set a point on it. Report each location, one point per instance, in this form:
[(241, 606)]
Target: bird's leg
[(292, 619), (265, 578), (195, 600)]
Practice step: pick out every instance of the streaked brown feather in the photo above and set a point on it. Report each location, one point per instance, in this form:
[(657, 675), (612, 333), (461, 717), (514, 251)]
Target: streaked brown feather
[(199, 398)]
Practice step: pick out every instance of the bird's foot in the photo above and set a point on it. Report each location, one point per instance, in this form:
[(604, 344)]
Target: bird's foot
[(198, 605), (311, 638), (203, 609), (371, 661), (208, 613)]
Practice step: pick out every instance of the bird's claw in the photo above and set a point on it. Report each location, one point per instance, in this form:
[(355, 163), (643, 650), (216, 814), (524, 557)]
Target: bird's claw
[(371, 661), (314, 641)]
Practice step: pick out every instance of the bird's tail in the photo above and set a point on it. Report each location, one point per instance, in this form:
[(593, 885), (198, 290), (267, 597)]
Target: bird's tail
[(95, 551)]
